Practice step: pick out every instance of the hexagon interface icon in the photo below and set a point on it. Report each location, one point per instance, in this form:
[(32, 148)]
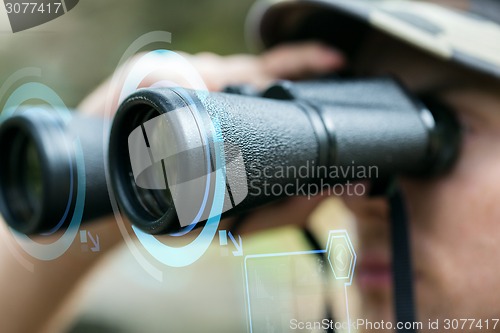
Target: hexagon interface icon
[(341, 255)]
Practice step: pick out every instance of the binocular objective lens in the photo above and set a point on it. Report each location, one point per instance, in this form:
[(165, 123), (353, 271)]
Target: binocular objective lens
[(32, 174)]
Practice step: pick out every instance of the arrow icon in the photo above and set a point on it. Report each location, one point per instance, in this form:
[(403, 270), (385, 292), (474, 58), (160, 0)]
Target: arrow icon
[(95, 241), (96, 246), (340, 260), (340, 257), (238, 246)]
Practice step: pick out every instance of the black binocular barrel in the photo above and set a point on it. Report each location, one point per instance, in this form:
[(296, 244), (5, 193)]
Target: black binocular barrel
[(160, 140), (41, 169)]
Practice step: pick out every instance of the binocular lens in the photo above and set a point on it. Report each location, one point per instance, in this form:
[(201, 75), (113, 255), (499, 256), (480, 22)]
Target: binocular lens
[(161, 175), (50, 167), (33, 173), (154, 201), (23, 184)]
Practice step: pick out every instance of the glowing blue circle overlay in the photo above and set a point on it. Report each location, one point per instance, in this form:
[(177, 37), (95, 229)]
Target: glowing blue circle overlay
[(24, 93), (188, 254)]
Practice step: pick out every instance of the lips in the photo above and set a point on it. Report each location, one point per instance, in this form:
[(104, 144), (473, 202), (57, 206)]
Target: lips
[(374, 272)]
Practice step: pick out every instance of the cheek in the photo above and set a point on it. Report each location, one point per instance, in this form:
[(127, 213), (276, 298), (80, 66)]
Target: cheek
[(455, 225)]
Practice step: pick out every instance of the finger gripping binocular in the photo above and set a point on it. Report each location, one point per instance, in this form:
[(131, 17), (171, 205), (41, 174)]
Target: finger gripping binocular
[(179, 157)]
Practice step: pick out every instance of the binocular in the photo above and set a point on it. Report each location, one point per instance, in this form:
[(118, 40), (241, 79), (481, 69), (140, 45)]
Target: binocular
[(177, 157)]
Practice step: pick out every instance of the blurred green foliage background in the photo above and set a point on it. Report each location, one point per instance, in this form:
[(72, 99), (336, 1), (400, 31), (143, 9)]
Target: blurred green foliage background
[(80, 49)]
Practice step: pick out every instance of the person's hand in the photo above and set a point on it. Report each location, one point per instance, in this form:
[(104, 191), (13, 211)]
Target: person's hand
[(290, 61)]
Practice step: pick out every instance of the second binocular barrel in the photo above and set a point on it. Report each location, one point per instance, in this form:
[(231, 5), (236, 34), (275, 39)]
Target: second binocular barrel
[(52, 167)]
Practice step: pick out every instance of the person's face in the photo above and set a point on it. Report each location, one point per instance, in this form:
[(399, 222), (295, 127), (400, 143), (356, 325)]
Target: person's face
[(454, 219)]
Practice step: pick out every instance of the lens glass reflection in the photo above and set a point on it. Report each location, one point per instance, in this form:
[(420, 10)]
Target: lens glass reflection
[(156, 199), (169, 165)]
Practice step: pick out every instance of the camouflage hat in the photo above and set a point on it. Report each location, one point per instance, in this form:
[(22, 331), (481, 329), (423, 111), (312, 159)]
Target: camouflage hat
[(468, 34)]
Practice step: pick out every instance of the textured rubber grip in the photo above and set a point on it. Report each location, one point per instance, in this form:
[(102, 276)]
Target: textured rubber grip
[(276, 139)]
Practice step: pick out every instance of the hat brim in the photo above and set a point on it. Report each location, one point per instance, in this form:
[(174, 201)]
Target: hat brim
[(449, 34)]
